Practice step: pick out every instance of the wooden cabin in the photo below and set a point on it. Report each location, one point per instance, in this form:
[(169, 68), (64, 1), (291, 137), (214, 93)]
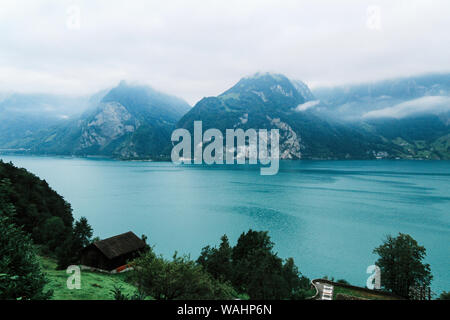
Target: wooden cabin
[(113, 252)]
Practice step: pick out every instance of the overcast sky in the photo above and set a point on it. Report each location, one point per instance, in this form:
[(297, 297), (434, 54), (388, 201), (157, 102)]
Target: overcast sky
[(200, 48)]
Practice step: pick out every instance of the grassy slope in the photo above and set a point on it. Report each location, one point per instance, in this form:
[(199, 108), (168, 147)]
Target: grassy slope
[(94, 286), (361, 294)]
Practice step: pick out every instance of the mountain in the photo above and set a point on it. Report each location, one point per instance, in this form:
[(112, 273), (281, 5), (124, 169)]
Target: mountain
[(129, 122), (23, 115), (266, 101), (412, 113), (351, 102), (424, 136), (400, 118)]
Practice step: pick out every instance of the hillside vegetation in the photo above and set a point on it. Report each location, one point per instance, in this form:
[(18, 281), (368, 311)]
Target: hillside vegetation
[(39, 209), (94, 285)]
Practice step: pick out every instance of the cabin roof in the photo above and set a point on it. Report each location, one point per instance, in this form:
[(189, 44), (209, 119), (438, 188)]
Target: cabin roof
[(119, 245)]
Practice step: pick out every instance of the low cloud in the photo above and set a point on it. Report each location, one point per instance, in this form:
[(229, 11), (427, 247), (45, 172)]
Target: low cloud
[(430, 104), (200, 48), (307, 105)]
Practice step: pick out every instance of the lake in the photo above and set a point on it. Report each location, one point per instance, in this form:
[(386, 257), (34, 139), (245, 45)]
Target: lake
[(327, 215)]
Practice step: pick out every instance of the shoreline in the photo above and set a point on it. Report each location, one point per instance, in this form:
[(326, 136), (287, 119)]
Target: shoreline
[(102, 157)]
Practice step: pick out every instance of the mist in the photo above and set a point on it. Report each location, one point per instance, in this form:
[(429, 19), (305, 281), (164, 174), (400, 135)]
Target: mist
[(200, 48), (430, 104)]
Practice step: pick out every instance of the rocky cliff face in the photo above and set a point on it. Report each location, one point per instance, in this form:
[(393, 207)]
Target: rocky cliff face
[(112, 122), (254, 102), (135, 122), (130, 122), (290, 147), (271, 101)]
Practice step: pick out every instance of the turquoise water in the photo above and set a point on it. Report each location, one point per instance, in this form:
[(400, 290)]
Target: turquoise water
[(328, 215)]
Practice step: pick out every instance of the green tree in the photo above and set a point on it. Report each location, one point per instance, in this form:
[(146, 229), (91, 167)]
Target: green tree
[(70, 250), (444, 296), (249, 255), (263, 276), (52, 232), (180, 278), (34, 201), (400, 261), (147, 246), (82, 233), (6, 208), (260, 273), (66, 254), (254, 269), (342, 281), (217, 261), (20, 274), (297, 284)]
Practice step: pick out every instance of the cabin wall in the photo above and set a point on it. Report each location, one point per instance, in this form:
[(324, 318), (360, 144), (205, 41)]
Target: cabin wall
[(122, 260), (92, 257)]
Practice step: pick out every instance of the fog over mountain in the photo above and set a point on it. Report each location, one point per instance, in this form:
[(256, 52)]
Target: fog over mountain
[(129, 122), (196, 48), (399, 118), (393, 98), (272, 101), (424, 105), (328, 62), (24, 115)]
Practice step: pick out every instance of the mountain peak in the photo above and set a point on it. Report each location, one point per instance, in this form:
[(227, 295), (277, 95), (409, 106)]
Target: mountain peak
[(271, 88), (138, 98), (276, 77), (265, 82)]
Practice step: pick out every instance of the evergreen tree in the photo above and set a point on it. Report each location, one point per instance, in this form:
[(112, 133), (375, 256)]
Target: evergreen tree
[(70, 251), (217, 261), (20, 274), (52, 233), (82, 233), (297, 284)]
